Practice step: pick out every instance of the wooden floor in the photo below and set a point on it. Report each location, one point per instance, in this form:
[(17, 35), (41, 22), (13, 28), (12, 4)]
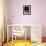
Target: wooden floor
[(23, 43), (18, 43)]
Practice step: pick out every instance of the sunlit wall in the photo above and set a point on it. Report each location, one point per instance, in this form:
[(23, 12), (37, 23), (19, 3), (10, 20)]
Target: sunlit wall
[(1, 18)]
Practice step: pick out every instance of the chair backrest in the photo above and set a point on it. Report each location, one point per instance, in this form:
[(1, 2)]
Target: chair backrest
[(18, 30)]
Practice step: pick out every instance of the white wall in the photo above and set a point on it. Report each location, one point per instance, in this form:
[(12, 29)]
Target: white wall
[(38, 12)]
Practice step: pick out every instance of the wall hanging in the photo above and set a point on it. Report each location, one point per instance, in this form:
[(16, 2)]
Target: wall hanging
[(26, 9)]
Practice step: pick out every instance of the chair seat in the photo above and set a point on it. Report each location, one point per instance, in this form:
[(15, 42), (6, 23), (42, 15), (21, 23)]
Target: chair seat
[(18, 33)]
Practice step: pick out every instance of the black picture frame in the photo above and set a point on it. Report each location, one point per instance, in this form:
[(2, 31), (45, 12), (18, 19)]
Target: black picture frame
[(26, 9)]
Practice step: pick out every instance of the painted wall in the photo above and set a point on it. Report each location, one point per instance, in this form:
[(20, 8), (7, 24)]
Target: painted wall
[(38, 13)]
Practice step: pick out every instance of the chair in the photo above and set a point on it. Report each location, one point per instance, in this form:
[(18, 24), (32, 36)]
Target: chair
[(17, 31)]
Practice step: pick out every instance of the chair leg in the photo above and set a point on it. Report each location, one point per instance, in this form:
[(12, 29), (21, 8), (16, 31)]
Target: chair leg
[(12, 36), (15, 38), (25, 37)]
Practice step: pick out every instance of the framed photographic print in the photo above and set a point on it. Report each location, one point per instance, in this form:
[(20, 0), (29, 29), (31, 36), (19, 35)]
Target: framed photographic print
[(26, 9)]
